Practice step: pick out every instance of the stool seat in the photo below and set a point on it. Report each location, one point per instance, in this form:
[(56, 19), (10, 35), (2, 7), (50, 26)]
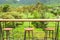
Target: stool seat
[(49, 29), (7, 29), (29, 29), (7, 32)]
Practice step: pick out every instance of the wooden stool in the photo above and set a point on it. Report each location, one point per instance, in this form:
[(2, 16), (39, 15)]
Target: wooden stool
[(7, 32), (49, 30), (28, 30)]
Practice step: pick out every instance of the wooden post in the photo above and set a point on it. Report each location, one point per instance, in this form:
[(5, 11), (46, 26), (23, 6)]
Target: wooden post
[(57, 29), (0, 32)]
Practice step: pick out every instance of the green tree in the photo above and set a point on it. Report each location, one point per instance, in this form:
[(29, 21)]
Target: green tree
[(40, 14), (6, 16), (6, 8)]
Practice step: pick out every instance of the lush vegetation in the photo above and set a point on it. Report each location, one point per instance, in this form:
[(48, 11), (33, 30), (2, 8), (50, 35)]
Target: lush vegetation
[(38, 11)]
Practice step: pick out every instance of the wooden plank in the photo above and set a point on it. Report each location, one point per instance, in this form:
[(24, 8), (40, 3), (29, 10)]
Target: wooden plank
[(27, 20)]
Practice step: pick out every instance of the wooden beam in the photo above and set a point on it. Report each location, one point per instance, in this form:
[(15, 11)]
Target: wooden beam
[(27, 20)]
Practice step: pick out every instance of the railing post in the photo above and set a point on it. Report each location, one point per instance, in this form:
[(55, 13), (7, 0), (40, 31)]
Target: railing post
[(57, 31), (14, 24), (0, 32)]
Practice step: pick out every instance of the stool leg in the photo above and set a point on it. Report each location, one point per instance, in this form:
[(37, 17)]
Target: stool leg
[(32, 36), (45, 38), (7, 35), (3, 35), (49, 34), (25, 35), (29, 34), (52, 35)]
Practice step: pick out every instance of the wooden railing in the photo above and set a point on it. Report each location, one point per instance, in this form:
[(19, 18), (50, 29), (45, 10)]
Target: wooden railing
[(31, 20), (27, 20)]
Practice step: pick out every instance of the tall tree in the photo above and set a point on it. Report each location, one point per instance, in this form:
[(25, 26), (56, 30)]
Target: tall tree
[(5, 8)]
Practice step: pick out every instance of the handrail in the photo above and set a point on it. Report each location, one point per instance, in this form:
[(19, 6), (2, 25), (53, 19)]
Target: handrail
[(27, 20)]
